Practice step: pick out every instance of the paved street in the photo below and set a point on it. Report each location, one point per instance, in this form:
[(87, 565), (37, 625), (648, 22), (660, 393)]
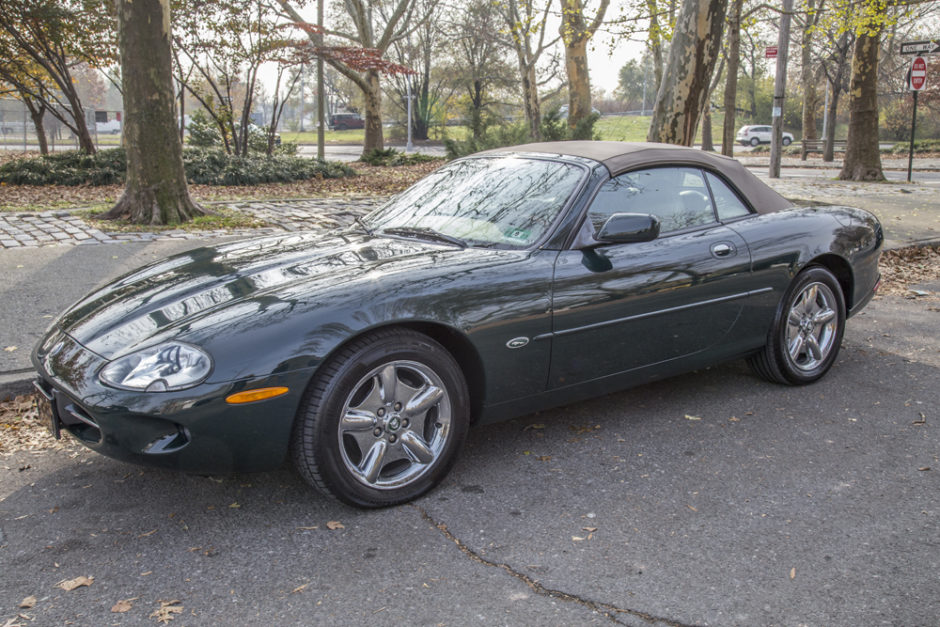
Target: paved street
[(707, 499)]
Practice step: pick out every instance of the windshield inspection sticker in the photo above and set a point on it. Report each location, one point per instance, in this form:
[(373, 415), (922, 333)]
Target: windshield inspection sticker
[(520, 235)]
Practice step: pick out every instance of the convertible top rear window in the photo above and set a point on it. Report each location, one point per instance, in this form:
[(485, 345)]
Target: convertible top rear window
[(507, 202)]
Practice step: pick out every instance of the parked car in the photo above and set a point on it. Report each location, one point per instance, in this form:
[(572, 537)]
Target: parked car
[(113, 127), (345, 121), (754, 135), (504, 283)]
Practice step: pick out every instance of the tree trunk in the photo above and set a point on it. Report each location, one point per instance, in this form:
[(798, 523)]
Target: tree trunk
[(155, 192), (530, 99), (692, 56), (707, 142), (731, 80), (831, 117), (655, 42), (579, 82), (374, 139), (862, 158), (808, 74), (36, 111)]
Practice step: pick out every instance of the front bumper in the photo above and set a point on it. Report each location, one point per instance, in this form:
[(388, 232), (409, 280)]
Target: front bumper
[(193, 430)]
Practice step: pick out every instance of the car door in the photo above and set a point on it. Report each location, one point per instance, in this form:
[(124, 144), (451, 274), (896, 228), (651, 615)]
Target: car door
[(623, 307)]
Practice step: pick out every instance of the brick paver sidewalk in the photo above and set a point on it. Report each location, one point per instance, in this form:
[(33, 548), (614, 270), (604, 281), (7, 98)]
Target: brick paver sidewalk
[(61, 227)]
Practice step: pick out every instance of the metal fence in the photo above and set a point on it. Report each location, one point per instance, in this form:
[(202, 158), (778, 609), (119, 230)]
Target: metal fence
[(18, 133)]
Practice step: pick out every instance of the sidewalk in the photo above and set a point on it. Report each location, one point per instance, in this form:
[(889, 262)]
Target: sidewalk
[(51, 259)]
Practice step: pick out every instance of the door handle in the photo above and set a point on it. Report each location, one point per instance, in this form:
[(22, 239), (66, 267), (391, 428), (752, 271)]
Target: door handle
[(722, 250)]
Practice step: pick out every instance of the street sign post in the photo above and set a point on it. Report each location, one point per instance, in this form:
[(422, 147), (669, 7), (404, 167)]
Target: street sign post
[(926, 46), (916, 80)]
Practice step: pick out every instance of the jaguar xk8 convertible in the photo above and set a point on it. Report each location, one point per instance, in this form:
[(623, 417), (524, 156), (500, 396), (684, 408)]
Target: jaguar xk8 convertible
[(503, 283)]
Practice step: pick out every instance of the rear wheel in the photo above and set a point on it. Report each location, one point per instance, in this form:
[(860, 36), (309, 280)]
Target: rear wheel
[(383, 420), (786, 141), (804, 340)]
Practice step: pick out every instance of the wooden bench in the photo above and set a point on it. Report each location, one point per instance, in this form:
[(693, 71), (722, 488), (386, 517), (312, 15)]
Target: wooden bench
[(819, 145)]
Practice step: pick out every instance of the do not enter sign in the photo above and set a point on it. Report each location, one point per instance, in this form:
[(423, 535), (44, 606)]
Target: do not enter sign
[(918, 74)]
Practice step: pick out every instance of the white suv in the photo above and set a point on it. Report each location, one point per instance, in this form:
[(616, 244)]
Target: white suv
[(753, 135)]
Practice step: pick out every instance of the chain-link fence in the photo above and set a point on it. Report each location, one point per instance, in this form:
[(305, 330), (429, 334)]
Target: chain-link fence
[(18, 132)]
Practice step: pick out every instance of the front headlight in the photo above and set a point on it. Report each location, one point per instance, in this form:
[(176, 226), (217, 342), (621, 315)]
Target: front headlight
[(162, 368)]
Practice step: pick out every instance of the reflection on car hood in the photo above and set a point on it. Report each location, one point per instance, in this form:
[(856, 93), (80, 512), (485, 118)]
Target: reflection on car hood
[(173, 293)]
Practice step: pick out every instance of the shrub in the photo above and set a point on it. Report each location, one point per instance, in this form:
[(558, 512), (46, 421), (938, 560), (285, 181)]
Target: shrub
[(67, 168), (392, 157), (203, 133), (202, 166), (215, 167)]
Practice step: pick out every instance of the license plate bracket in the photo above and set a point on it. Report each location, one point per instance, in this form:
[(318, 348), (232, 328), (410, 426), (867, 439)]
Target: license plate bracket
[(45, 405)]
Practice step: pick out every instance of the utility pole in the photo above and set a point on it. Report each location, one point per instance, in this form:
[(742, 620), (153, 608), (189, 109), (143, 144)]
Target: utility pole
[(780, 88), (321, 92)]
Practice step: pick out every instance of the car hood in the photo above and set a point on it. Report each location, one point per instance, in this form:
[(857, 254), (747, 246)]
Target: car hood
[(194, 289)]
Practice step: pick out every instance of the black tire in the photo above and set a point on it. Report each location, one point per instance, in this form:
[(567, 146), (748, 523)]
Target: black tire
[(341, 127), (786, 141), (754, 141), (369, 384), (811, 312)]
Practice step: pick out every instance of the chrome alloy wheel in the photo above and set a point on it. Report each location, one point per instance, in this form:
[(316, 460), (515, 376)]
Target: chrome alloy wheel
[(395, 424), (812, 326)]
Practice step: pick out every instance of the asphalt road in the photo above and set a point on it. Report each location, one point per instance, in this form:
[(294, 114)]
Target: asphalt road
[(707, 499)]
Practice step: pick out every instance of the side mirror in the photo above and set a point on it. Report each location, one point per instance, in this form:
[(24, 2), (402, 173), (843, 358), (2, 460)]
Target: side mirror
[(622, 228)]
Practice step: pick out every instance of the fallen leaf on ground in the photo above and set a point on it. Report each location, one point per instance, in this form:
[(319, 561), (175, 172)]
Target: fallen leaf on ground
[(589, 529), (299, 588), (78, 582), (124, 605), (577, 539), (234, 506), (544, 458), (333, 525), (690, 417), (691, 508), (308, 528), (792, 573), (10, 349), (924, 468), (28, 602), (167, 610)]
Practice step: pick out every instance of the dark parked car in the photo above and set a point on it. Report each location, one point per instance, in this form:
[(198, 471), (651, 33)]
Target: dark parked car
[(345, 121), (503, 283)]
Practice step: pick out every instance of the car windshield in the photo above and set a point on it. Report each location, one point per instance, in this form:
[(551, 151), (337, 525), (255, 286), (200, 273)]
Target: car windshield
[(506, 202)]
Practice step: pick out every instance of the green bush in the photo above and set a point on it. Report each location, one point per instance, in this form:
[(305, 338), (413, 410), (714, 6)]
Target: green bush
[(202, 166), (203, 133), (920, 145), (67, 168), (392, 157)]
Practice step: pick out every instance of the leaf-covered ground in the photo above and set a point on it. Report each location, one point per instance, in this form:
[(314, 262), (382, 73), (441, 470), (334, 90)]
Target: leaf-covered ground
[(372, 180)]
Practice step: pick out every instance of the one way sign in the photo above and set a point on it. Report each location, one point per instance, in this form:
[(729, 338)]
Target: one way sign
[(920, 48)]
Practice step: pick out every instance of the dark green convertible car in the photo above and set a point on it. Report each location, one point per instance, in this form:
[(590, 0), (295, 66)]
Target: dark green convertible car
[(501, 284)]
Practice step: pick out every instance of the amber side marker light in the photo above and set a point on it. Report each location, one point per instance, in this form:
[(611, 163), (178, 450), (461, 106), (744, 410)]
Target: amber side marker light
[(250, 396)]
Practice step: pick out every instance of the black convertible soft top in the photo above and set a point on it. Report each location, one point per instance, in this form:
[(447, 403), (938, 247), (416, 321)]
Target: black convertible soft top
[(618, 157)]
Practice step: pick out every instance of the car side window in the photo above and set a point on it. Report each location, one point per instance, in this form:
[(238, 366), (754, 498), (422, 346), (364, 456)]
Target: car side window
[(677, 196), (727, 203)]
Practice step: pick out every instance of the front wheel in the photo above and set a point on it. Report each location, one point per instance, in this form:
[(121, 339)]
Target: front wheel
[(807, 330), (754, 141), (786, 141), (383, 420)]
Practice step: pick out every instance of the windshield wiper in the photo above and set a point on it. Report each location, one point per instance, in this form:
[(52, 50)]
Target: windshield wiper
[(363, 225), (425, 233)]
